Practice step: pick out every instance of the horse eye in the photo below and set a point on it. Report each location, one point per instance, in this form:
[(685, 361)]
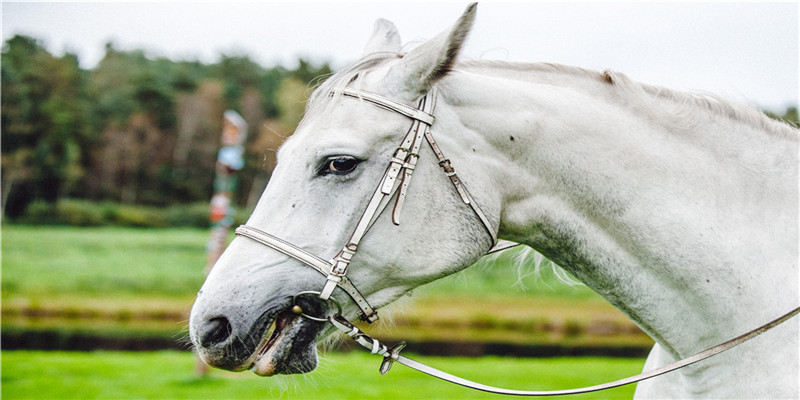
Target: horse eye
[(341, 165)]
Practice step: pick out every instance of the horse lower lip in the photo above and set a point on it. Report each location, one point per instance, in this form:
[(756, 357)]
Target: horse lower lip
[(281, 321)]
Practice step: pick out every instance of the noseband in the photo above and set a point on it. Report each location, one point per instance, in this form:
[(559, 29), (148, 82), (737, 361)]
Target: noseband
[(395, 181)]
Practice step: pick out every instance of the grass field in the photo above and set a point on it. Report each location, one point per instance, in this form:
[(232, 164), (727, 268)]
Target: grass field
[(129, 282), (107, 262), (169, 263), (169, 375), (127, 279)]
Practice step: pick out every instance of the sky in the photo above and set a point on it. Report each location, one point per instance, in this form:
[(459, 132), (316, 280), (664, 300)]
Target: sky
[(745, 52)]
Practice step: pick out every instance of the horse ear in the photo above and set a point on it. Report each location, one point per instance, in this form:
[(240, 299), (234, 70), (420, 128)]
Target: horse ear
[(384, 38), (432, 60)]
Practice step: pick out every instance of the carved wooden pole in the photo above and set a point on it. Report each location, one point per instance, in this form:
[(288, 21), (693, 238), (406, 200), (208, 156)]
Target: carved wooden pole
[(230, 160)]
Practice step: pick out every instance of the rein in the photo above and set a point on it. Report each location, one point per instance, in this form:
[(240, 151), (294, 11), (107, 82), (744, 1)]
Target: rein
[(392, 354), (394, 184)]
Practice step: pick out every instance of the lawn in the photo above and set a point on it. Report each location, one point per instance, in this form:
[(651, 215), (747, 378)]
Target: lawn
[(107, 262), (128, 281), (170, 375), (169, 263)]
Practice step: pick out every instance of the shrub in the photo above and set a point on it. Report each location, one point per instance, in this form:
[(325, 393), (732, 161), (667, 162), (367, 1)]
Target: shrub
[(87, 213), (40, 212), (139, 216), (80, 212), (195, 214)]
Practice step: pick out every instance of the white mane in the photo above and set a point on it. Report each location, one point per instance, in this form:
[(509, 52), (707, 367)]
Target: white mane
[(684, 105)]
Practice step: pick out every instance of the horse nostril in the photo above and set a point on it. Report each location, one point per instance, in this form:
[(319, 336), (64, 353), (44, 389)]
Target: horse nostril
[(216, 331)]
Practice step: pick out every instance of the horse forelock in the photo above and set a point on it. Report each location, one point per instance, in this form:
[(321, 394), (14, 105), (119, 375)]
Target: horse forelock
[(329, 91)]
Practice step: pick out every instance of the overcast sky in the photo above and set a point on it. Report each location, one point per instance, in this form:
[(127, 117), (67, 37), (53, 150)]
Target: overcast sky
[(742, 51)]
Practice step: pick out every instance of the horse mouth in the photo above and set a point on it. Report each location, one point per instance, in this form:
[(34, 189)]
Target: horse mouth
[(288, 347)]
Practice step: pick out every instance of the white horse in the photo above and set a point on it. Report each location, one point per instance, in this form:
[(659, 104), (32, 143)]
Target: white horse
[(680, 210)]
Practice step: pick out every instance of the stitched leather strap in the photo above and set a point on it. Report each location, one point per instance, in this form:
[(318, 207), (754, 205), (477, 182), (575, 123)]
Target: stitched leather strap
[(391, 355), (318, 264), (460, 188), (390, 104), (427, 105)]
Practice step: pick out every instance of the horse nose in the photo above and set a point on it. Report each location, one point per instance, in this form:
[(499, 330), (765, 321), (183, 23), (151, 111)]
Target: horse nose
[(214, 331)]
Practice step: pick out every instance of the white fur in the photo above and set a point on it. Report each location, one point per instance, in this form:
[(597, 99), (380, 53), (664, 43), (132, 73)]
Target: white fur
[(681, 211)]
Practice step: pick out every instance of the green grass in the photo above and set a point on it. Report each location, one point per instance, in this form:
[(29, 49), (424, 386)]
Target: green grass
[(105, 261), (44, 261), (170, 375), (112, 279), (127, 281)]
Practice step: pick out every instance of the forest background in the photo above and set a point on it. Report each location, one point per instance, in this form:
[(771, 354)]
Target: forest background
[(137, 131), (140, 132)]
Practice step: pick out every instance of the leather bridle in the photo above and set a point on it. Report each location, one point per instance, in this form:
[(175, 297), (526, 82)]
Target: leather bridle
[(396, 180)]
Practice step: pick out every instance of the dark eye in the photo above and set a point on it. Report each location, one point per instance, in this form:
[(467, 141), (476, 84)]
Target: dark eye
[(340, 165)]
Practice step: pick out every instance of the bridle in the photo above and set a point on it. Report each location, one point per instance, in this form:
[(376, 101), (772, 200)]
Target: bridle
[(396, 181)]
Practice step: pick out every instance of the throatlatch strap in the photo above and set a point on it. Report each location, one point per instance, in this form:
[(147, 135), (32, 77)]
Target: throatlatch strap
[(460, 188)]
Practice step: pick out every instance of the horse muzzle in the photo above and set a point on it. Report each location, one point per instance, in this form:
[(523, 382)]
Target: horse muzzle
[(272, 341)]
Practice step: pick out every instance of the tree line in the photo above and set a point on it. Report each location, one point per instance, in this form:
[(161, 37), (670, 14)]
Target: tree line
[(136, 129), (139, 130)]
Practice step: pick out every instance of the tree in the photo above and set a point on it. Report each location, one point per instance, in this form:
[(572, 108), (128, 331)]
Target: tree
[(44, 123), (135, 128)]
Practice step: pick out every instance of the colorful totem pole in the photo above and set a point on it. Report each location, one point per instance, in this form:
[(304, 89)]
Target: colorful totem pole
[(230, 160)]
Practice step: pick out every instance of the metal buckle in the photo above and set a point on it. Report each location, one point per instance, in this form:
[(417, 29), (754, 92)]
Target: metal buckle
[(299, 310), (394, 354)]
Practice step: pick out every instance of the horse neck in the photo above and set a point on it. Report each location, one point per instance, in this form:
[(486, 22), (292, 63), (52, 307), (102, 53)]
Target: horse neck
[(689, 229)]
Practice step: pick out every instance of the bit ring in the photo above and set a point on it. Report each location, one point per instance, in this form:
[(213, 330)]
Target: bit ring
[(297, 309)]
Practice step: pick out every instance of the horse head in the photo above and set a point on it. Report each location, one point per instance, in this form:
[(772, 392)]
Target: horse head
[(326, 172)]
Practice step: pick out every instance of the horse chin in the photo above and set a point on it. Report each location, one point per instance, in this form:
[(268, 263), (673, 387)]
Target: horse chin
[(288, 348)]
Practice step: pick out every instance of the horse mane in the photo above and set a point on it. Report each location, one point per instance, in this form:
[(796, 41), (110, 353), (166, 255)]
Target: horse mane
[(685, 104)]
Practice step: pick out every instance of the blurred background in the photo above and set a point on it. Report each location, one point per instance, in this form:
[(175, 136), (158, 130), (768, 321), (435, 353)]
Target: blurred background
[(112, 120)]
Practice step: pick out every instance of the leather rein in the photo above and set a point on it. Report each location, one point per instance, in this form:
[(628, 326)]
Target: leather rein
[(394, 184)]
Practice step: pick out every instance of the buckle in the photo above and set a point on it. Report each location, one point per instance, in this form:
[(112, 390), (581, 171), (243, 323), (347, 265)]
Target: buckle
[(394, 354)]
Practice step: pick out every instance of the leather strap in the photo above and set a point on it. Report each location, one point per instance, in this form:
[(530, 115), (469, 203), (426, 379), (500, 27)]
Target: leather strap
[(409, 148), (392, 354), (390, 105), (502, 245), (460, 188), (323, 267), (427, 104)]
